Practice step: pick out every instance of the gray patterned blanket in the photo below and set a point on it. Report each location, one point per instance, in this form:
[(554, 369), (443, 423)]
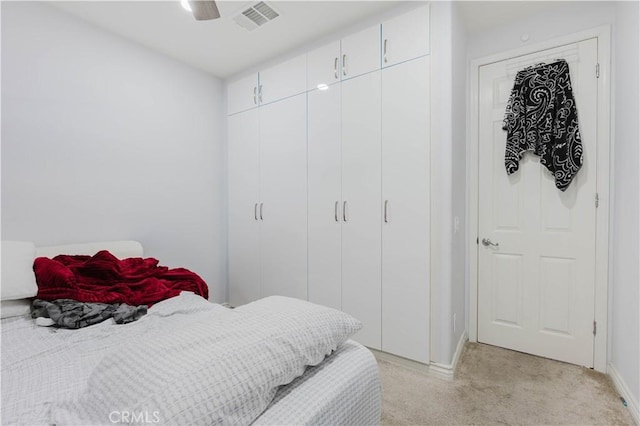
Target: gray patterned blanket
[(68, 313)]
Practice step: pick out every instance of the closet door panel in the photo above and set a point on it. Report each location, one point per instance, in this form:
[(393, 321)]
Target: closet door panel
[(283, 80), (283, 191), (361, 187), (405, 37), (405, 227), (242, 94), (323, 65), (325, 197), (243, 188), (360, 52)]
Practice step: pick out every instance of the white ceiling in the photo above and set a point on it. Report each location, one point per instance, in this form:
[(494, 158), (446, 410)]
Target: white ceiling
[(221, 47)]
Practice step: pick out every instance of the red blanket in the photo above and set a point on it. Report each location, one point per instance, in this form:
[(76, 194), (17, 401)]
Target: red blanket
[(103, 278)]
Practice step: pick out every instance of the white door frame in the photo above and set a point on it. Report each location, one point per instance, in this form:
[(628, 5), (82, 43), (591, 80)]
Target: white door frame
[(603, 35)]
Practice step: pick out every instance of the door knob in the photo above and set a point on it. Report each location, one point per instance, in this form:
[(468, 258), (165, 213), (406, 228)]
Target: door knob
[(487, 242)]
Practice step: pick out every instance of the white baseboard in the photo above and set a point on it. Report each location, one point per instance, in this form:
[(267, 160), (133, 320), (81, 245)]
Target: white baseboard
[(404, 362), (623, 389), (447, 371), (443, 371)]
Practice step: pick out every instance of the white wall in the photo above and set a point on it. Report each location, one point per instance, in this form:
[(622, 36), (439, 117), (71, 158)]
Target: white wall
[(625, 299), (103, 139), (572, 17), (448, 180), (441, 182), (459, 169), (566, 18)]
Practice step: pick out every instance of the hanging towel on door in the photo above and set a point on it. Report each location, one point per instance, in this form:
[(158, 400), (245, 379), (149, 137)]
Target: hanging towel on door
[(541, 117)]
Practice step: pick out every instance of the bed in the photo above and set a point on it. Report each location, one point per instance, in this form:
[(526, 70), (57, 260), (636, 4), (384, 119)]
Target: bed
[(188, 361)]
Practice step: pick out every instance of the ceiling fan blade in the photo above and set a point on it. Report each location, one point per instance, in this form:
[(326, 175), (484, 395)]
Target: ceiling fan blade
[(204, 9)]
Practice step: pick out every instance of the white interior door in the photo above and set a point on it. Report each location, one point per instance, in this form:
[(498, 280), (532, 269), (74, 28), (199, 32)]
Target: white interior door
[(361, 192), (536, 288), (283, 198), (405, 204), (243, 188), (325, 197)]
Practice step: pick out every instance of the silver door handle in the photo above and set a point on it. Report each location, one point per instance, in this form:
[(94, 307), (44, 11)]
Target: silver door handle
[(344, 211), (487, 242), (344, 64), (384, 51), (255, 211), (386, 210), (260, 93), (335, 211), (335, 68), (261, 211), (255, 96)]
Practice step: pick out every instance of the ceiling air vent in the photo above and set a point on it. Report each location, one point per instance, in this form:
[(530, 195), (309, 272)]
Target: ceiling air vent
[(255, 16)]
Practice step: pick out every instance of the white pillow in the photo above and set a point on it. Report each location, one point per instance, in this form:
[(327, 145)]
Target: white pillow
[(18, 278)]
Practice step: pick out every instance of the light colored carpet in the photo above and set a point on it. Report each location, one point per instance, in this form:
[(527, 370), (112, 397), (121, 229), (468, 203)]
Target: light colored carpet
[(497, 386)]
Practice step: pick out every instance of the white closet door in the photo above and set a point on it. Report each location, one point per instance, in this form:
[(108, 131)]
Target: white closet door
[(243, 187), (361, 186), (323, 65), (325, 197), (283, 191), (360, 52), (405, 204)]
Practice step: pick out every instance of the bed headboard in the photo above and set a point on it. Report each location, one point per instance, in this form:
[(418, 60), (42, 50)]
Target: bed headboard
[(120, 249)]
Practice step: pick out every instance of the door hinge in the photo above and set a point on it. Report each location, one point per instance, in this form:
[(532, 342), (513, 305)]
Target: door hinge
[(594, 328), (597, 200), (477, 240), (597, 70)]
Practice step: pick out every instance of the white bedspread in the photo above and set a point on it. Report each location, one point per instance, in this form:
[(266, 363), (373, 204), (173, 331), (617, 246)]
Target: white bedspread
[(187, 362)]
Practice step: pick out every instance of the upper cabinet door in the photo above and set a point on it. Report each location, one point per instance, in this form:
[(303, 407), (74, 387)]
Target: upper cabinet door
[(360, 53), (281, 81), (324, 65), (242, 94), (405, 37)]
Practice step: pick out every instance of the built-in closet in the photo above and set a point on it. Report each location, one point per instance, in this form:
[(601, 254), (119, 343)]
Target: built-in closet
[(329, 182)]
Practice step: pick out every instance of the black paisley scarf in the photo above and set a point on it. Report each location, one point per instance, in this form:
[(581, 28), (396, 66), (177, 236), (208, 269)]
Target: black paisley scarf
[(541, 117)]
